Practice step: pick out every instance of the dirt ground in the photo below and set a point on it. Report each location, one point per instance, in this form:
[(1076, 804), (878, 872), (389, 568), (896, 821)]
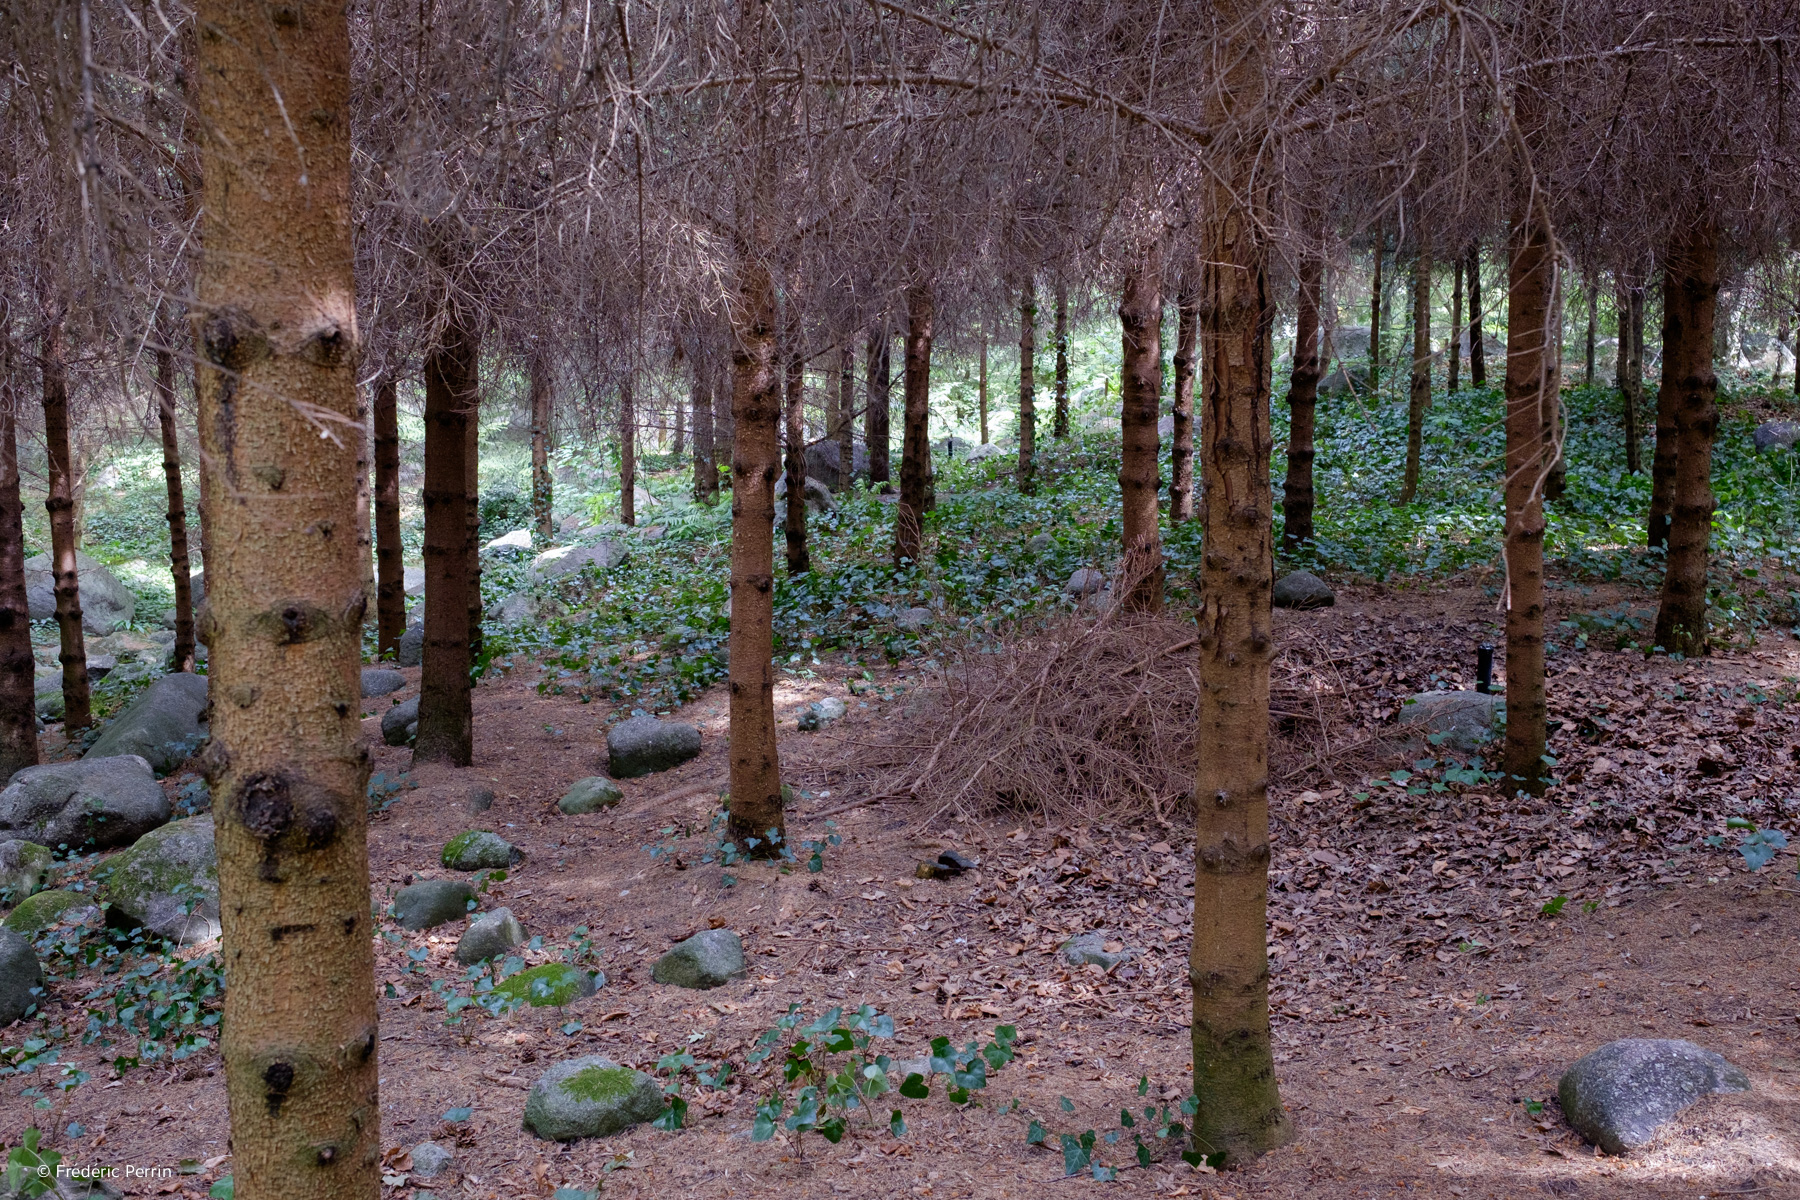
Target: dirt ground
[(1420, 997)]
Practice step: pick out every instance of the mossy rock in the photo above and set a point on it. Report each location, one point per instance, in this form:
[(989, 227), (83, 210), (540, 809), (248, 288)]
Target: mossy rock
[(591, 1096), (590, 795), (23, 868), (168, 881), (38, 913), (553, 985), (480, 850)]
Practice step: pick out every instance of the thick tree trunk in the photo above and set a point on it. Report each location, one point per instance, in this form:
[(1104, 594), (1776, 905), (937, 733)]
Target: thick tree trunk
[(472, 511), (915, 434), (1027, 398), (1060, 429), (1454, 349), (1532, 385), (1240, 1113), (1419, 398), (390, 562), (846, 417), (1303, 396), (177, 514), (1140, 587), (794, 464), (1375, 309), (1181, 450), (18, 670), (706, 472), (446, 718), (876, 431), (981, 392), (1631, 372), (1690, 296), (756, 804), (627, 452), (1477, 352), (276, 299), (542, 488), (60, 502)]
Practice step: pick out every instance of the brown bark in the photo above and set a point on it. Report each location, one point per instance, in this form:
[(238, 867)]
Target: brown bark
[(390, 564), (706, 473), (18, 670), (627, 452), (981, 392), (794, 463), (542, 488), (915, 433), (472, 510), (876, 422), (846, 417), (724, 420), (1375, 313), (284, 606), (177, 514), (1419, 398), (1663, 454), (1027, 474), (1454, 349), (1140, 389), (1060, 427), (60, 502), (1690, 299), (1631, 373), (446, 718), (680, 446), (1303, 397), (1181, 435), (1477, 351), (1593, 317)]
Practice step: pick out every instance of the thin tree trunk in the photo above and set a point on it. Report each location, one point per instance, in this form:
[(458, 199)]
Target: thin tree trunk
[(795, 462), (285, 603), (542, 488), (60, 502), (915, 445), (1140, 389), (1027, 400), (1631, 390), (1782, 330), (18, 670), (680, 446), (1060, 429), (1375, 307), (627, 452), (846, 416), (1477, 351), (177, 514), (446, 718), (472, 511), (706, 473), (390, 562), (876, 430), (1663, 454), (1181, 452), (1532, 384), (1303, 396), (1593, 316), (981, 392), (1454, 349), (756, 804), (724, 420), (1690, 295), (365, 524), (1419, 398)]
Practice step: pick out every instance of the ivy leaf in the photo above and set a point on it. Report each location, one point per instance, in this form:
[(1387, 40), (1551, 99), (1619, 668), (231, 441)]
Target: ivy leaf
[(914, 1087)]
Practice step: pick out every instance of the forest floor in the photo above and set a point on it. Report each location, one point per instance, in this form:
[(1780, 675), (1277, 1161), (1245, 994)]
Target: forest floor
[(1424, 1003)]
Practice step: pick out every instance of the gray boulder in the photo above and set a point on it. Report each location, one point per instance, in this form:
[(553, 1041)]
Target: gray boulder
[(20, 976), (492, 935), (708, 959), (1466, 717), (1086, 948), (821, 713), (986, 451), (551, 985), (515, 608), (431, 902), (1302, 589), (38, 913), (412, 579), (818, 497), (400, 723), (645, 745), (23, 868), (1619, 1095), (913, 620), (381, 681), (1345, 381), (1039, 542), (567, 560), (95, 802), (163, 726), (590, 795), (479, 850), (591, 1096), (510, 545), (49, 699), (168, 881), (1085, 582), (105, 601), (1165, 426), (480, 798), (411, 650), (429, 1160), (1770, 435), (824, 463)]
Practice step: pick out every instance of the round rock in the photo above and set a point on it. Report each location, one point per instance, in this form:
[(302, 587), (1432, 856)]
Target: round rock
[(168, 881), (708, 959), (1466, 718), (431, 902), (1302, 589), (591, 1096), (21, 978), (411, 651), (429, 1160), (1619, 1095), (479, 850), (163, 726), (97, 801), (492, 935), (381, 681), (400, 723), (590, 795), (23, 868), (645, 745), (553, 985), (38, 913)]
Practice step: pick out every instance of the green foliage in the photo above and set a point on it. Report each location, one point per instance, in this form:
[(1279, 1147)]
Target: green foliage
[(31, 1171), (1081, 1151), (1758, 846)]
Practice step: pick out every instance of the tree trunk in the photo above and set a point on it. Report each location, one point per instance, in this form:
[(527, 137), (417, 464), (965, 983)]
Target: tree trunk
[(60, 502), (724, 419), (472, 511), (1532, 361), (1631, 386), (706, 473), (18, 670), (1454, 349), (1303, 396), (680, 446), (1420, 397), (1027, 398), (846, 417), (627, 452), (1181, 452), (284, 602), (390, 561), (915, 434), (756, 805), (177, 514), (542, 489), (1477, 352), (1240, 1111), (876, 421), (1375, 307), (1782, 330), (1690, 391), (1060, 429), (795, 463), (446, 718), (981, 391), (1663, 454), (1140, 587), (1593, 315)]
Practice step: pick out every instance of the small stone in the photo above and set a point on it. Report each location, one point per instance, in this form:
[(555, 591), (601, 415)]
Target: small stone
[(591, 1096), (431, 902), (492, 935), (380, 681), (429, 1160), (96, 801), (1085, 582), (817, 715), (553, 985), (400, 724), (1086, 948), (1302, 589), (481, 798), (1618, 1096), (590, 795), (947, 865), (23, 868), (411, 651), (38, 913), (708, 959), (168, 881), (645, 745), (20, 976), (1466, 718), (912, 620), (480, 850)]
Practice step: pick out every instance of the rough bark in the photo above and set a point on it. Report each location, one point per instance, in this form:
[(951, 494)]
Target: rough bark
[(680, 446), (724, 420), (1060, 427), (794, 463), (1375, 306), (1663, 454), (472, 511), (177, 511), (627, 452), (846, 416), (1690, 298), (706, 472), (542, 488), (1454, 349), (876, 431), (390, 563), (1419, 398), (1631, 373), (981, 392), (1477, 352), (1027, 399), (1140, 323), (284, 605), (1593, 316), (1181, 435), (18, 670), (1303, 396), (915, 446), (60, 503)]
